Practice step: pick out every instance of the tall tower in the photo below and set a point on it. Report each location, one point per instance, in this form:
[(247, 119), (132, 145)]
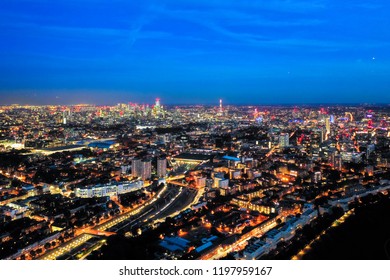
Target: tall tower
[(284, 140), (327, 126), (156, 111), (136, 167), (161, 167), (63, 117), (220, 106), (141, 168), (146, 169)]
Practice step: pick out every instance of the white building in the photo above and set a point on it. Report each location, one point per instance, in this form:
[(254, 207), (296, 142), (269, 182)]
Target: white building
[(221, 183), (201, 182), (109, 190), (256, 248)]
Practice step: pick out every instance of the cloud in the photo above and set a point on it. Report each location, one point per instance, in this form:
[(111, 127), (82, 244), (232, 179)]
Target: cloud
[(370, 6), (233, 17), (134, 32), (291, 6), (250, 27), (222, 20)]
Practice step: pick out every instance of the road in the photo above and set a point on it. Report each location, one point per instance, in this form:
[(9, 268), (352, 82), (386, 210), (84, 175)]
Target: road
[(241, 242), (336, 223), (67, 247), (169, 200), (178, 201), (82, 237)]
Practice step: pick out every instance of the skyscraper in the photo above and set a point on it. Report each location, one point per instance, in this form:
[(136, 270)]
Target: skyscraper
[(146, 169), (157, 108), (136, 167), (337, 163), (141, 168), (317, 136), (327, 126), (161, 167), (284, 140), (63, 117)]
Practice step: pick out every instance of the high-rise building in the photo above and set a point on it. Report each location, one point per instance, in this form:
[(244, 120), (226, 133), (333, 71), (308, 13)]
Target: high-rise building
[(220, 106), (317, 136), (316, 177), (327, 126), (284, 140), (338, 163), (370, 149), (146, 169), (157, 110), (63, 117), (141, 168), (136, 167), (161, 167)]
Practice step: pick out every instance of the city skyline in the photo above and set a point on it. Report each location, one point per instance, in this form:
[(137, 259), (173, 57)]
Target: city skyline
[(279, 52), (210, 103), (194, 182)]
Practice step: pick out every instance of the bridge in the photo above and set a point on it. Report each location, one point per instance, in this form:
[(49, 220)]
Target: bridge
[(99, 232), (178, 183), (94, 232)]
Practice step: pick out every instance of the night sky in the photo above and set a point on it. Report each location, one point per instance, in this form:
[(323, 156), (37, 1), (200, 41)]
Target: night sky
[(194, 51)]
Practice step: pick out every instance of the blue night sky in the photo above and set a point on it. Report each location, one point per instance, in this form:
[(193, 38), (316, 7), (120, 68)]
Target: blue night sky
[(194, 51)]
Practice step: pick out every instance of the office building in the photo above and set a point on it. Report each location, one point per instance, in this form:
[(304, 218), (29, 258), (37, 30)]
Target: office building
[(284, 140)]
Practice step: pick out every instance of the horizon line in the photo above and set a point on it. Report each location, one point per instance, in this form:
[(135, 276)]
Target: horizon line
[(217, 104)]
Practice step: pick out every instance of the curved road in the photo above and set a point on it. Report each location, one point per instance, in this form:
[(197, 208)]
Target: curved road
[(171, 199)]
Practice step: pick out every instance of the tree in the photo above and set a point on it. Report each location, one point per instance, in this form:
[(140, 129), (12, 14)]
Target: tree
[(169, 221), (337, 211), (298, 180), (334, 175), (16, 183)]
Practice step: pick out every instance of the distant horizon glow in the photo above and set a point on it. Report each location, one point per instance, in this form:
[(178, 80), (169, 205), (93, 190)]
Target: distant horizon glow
[(194, 52)]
